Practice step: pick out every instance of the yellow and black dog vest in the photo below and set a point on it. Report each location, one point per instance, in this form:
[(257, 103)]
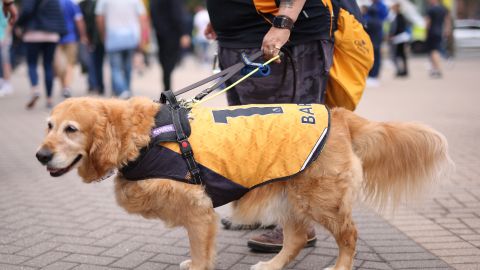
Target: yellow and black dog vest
[(239, 148)]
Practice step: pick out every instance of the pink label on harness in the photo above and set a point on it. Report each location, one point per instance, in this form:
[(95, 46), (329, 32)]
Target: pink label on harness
[(163, 129)]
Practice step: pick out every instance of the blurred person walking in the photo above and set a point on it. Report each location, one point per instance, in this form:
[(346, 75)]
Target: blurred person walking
[(42, 24), (168, 19), (438, 27), (96, 49), (399, 38), (120, 24), (200, 41), (67, 52), (6, 87), (8, 16), (376, 14)]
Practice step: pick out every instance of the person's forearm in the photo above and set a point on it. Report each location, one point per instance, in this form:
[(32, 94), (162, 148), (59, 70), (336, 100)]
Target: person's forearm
[(291, 8), (448, 25), (10, 11), (144, 30)]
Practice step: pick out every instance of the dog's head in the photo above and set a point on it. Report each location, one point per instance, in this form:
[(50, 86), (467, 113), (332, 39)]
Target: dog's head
[(79, 135)]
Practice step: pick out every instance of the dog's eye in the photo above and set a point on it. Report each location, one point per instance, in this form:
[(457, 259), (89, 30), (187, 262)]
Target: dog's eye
[(50, 126), (70, 129)]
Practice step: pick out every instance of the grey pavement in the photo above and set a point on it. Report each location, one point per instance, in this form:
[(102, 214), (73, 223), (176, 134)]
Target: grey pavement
[(62, 223)]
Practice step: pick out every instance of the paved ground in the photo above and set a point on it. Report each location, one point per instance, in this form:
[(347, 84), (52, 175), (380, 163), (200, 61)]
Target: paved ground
[(62, 223)]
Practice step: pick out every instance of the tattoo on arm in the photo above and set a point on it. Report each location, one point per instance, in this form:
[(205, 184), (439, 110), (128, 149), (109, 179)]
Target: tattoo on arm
[(287, 3)]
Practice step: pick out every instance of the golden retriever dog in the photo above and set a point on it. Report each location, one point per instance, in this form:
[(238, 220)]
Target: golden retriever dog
[(378, 162)]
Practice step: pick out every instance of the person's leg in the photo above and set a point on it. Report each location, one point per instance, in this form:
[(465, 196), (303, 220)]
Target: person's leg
[(33, 50), (395, 55), (403, 56), (60, 63), (71, 53), (372, 80), (117, 74), (434, 44), (169, 54), (2, 92), (128, 59), (48, 50), (7, 69), (1, 61), (435, 59), (91, 73), (313, 67), (99, 57), (374, 72)]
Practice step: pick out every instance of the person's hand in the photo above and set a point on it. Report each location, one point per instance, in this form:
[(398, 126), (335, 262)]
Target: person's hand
[(18, 32), (185, 41), (273, 42), (210, 32), (84, 40), (10, 11)]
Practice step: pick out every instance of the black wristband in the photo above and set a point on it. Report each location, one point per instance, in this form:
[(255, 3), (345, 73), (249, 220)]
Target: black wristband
[(8, 3), (283, 22)]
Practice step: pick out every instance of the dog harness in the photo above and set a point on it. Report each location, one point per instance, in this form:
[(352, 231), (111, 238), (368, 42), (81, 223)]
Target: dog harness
[(236, 148)]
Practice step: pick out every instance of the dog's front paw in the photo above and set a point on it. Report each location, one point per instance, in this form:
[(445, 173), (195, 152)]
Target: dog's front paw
[(335, 268), (185, 265), (261, 266)]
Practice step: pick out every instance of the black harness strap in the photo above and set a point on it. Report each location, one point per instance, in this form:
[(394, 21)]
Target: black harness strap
[(182, 138)]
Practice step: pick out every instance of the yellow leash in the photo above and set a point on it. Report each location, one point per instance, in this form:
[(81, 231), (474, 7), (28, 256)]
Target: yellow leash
[(195, 102)]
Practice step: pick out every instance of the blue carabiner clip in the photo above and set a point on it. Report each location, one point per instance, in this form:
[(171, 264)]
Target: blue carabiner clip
[(263, 70)]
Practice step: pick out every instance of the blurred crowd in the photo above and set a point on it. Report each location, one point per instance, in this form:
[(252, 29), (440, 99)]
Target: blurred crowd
[(66, 34), (125, 34), (389, 26)]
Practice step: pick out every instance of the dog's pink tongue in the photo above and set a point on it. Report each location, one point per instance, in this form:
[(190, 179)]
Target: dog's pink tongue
[(53, 170)]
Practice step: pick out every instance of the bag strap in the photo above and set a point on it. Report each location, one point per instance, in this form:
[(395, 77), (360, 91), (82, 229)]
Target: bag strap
[(329, 5)]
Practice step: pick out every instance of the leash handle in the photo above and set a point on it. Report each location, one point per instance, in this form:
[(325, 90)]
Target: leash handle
[(195, 102), (224, 75)]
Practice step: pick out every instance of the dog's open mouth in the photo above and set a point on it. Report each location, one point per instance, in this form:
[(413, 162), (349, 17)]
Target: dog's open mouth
[(55, 172)]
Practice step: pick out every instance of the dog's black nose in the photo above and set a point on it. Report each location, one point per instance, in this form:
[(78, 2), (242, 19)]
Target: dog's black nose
[(44, 155)]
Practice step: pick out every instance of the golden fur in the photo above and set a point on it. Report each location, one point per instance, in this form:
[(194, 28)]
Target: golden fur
[(385, 160)]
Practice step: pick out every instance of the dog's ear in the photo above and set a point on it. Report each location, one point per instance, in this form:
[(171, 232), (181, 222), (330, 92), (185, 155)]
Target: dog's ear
[(103, 153)]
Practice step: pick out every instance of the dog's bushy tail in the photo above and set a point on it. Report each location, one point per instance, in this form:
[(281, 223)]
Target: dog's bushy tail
[(398, 158)]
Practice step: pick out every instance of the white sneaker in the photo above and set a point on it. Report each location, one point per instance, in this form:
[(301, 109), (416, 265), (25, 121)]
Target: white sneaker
[(7, 88), (373, 82), (125, 95)]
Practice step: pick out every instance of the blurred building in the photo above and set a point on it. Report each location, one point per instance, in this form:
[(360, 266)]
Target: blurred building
[(468, 9)]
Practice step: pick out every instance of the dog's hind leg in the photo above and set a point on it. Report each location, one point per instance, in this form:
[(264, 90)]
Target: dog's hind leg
[(337, 218), (294, 239), (201, 234)]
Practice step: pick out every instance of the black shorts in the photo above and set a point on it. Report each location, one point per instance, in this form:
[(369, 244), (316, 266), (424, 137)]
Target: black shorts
[(434, 43), (312, 61)]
